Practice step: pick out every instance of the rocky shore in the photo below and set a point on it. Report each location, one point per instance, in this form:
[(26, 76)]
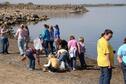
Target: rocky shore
[(17, 13)]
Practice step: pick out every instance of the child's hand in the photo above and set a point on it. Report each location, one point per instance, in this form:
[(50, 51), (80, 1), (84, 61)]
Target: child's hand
[(23, 59)]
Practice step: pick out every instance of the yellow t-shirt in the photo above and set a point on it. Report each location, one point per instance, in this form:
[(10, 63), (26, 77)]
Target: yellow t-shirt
[(54, 62), (103, 47)]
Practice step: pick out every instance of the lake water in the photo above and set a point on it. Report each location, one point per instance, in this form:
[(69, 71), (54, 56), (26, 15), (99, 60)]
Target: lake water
[(90, 25)]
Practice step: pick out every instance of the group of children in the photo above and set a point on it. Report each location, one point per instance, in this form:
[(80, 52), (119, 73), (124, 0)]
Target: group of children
[(61, 56), (62, 59)]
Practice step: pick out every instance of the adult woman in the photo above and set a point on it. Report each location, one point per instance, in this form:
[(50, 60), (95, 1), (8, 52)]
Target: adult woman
[(122, 58), (105, 57)]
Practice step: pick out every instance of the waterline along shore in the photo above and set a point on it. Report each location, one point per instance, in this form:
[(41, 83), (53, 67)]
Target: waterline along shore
[(12, 13), (14, 71)]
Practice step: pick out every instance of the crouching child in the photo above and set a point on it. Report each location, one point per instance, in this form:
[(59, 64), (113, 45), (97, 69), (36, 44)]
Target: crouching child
[(63, 58), (32, 55), (53, 64)]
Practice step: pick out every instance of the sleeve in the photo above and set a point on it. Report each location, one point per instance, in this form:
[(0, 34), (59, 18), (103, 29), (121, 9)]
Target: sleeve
[(119, 53), (47, 65), (43, 34), (106, 47), (69, 44), (17, 33)]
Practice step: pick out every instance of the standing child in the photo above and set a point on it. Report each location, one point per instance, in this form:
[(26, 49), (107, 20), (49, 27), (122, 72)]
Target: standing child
[(57, 36), (27, 36), (51, 32), (72, 47), (4, 39), (21, 39), (81, 52)]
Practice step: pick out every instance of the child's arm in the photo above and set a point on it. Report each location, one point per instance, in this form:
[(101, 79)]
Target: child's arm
[(38, 60), (24, 58), (17, 33), (78, 46)]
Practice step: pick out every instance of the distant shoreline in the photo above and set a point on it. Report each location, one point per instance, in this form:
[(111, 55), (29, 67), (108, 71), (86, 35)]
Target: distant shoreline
[(103, 5), (13, 13)]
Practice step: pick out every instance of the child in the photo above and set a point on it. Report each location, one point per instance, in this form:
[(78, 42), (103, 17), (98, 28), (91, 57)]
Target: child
[(53, 63), (63, 56), (81, 52), (32, 55), (72, 47)]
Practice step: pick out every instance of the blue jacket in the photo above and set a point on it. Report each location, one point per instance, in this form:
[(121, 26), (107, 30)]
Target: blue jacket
[(57, 33), (45, 35)]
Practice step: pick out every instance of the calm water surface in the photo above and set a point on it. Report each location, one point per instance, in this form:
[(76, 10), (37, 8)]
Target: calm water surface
[(90, 25)]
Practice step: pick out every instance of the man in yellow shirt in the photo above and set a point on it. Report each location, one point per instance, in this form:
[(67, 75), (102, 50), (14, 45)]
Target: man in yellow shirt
[(105, 57)]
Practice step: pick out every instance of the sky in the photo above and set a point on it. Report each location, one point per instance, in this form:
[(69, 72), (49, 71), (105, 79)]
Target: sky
[(65, 1)]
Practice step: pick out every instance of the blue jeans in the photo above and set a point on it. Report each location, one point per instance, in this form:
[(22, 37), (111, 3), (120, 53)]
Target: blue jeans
[(31, 60), (5, 44), (106, 74), (65, 58), (73, 62), (21, 46), (51, 46), (123, 66)]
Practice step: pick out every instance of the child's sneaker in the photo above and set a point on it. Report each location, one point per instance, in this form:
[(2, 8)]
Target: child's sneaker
[(74, 69), (30, 69)]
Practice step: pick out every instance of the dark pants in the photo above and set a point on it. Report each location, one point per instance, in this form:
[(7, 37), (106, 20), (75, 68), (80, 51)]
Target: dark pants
[(52, 69), (46, 47), (73, 62), (82, 60), (31, 61), (5, 44), (106, 74), (51, 46), (123, 66)]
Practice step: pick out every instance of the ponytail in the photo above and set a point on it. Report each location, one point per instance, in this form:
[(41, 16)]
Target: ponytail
[(106, 32)]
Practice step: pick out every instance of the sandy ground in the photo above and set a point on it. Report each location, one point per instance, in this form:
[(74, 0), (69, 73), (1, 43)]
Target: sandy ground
[(13, 71)]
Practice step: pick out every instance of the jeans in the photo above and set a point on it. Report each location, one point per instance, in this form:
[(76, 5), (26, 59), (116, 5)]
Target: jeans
[(5, 44), (46, 46), (73, 62), (21, 46), (82, 60), (51, 46), (123, 66), (31, 61), (65, 58), (106, 74)]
